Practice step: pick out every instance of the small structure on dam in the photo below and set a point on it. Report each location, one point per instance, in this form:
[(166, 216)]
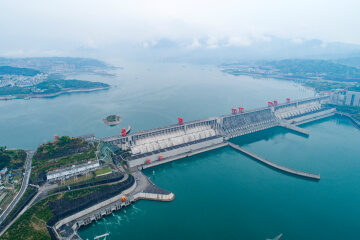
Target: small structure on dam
[(154, 146)]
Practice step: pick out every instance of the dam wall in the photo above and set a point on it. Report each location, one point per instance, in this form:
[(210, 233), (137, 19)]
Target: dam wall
[(248, 122), (311, 116), (295, 108), (184, 155), (182, 149), (185, 138)]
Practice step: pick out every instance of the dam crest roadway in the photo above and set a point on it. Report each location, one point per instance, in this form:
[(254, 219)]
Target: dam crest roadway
[(161, 145)]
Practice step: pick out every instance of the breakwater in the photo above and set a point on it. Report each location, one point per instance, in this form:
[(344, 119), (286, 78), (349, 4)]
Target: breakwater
[(295, 128), (274, 165), (355, 122)]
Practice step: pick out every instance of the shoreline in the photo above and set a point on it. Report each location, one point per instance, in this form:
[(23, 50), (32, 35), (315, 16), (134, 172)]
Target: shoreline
[(11, 97), (282, 77), (145, 190)]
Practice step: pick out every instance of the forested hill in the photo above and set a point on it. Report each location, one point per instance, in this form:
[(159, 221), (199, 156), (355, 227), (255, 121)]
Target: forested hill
[(51, 87), (308, 68), (18, 71), (61, 65)]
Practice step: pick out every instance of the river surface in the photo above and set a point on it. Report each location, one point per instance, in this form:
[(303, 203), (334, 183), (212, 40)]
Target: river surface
[(220, 194), (144, 95)]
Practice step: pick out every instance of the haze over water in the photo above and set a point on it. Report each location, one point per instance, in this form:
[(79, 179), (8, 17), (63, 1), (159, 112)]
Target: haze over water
[(220, 194), (146, 96)]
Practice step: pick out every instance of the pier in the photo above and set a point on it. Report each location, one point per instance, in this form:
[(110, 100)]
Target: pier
[(274, 165)]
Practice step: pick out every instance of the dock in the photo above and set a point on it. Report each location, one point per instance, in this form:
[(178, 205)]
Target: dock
[(274, 165)]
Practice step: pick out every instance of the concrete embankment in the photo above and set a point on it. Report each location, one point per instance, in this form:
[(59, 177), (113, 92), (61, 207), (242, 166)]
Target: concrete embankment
[(143, 188), (274, 165), (355, 122)]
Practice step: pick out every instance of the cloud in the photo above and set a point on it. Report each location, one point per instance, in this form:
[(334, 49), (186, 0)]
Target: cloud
[(194, 44), (239, 41), (33, 53), (212, 43), (90, 43), (92, 24), (297, 40)]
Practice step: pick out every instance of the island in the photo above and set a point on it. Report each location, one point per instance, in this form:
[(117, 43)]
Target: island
[(112, 120)]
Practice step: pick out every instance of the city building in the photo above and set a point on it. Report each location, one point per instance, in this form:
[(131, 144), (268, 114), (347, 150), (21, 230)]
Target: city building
[(342, 97)]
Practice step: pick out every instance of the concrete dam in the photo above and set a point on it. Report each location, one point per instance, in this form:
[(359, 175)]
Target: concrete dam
[(156, 146)]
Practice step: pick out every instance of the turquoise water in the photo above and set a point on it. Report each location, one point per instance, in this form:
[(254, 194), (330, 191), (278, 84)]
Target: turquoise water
[(220, 194), (223, 194)]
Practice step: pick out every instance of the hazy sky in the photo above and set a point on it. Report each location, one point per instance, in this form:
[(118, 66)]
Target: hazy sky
[(50, 27)]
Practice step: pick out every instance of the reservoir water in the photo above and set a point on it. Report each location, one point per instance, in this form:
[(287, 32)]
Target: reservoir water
[(223, 194), (220, 194), (145, 95)]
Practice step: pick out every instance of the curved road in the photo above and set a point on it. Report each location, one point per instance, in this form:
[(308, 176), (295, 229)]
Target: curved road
[(24, 185)]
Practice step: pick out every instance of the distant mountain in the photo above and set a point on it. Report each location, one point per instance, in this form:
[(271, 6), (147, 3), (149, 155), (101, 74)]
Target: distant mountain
[(307, 68), (208, 50), (352, 62), (312, 69)]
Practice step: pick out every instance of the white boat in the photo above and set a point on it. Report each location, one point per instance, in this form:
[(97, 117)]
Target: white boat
[(276, 238), (102, 236)]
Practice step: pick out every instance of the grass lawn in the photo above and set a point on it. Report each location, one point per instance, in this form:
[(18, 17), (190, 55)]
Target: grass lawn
[(78, 179), (17, 177), (103, 171)]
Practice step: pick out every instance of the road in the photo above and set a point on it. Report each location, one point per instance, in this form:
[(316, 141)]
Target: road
[(24, 185)]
